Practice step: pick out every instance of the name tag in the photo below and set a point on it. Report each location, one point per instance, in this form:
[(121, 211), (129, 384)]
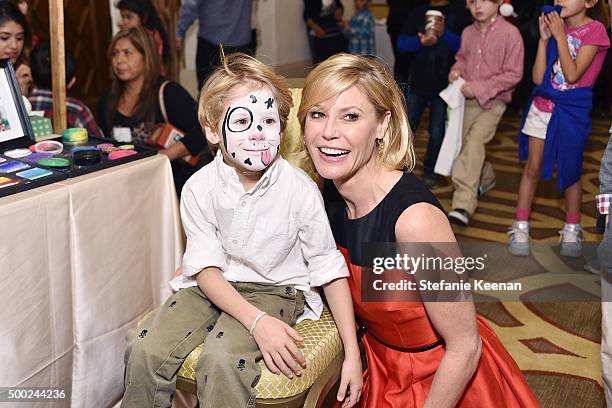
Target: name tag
[(122, 134)]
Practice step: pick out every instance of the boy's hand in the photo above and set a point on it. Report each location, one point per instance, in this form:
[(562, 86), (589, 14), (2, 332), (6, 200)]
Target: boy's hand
[(427, 40), (555, 24), (544, 31), (351, 382), (453, 76), (276, 340), (466, 90)]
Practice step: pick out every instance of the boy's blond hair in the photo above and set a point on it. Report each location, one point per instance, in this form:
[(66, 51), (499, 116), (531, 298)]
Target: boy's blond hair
[(240, 69)]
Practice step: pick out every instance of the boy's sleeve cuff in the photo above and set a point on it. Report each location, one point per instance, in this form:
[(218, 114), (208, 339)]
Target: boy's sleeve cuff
[(603, 203), (325, 269)]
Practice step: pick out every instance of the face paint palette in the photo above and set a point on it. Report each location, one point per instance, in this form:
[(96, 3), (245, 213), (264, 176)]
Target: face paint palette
[(35, 173), (54, 160), (17, 175)]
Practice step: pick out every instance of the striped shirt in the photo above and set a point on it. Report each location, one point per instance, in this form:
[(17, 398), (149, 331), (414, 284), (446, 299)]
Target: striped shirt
[(78, 114)]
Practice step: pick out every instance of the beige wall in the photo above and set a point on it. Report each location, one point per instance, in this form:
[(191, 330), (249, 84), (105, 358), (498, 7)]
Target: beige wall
[(282, 33)]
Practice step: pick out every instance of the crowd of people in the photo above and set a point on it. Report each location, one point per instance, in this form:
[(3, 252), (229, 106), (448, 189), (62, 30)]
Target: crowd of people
[(358, 122)]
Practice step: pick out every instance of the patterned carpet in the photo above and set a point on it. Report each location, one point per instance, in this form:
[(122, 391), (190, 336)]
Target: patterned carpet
[(555, 344)]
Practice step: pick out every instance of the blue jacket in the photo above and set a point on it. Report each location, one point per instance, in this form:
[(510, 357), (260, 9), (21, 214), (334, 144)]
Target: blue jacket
[(220, 21), (568, 129)]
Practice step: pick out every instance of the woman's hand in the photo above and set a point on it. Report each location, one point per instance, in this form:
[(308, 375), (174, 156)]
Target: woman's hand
[(276, 340), (545, 33), (176, 151), (351, 381), (24, 78), (555, 24)]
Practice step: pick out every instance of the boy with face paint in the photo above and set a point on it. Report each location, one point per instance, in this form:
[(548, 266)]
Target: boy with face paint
[(250, 130), (258, 243)]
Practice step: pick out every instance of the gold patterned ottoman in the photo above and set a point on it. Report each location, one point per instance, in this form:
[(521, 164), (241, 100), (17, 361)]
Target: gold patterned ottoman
[(322, 349)]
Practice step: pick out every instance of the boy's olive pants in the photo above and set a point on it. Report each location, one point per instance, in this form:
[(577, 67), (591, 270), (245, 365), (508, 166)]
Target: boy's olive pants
[(227, 371)]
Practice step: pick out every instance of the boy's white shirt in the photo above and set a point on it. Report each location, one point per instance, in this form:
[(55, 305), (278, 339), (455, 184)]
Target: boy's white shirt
[(276, 233), (451, 145)]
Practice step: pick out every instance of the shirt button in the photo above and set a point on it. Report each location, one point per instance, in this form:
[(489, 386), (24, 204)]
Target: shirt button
[(235, 241), (480, 51), (243, 203)]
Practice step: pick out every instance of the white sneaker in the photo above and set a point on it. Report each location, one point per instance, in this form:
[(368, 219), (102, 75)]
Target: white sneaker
[(571, 240), (518, 238), (485, 188)]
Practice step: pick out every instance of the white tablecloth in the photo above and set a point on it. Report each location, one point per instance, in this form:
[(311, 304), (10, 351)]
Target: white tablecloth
[(80, 262)]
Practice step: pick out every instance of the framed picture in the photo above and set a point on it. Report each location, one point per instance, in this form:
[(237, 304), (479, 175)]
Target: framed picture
[(15, 127)]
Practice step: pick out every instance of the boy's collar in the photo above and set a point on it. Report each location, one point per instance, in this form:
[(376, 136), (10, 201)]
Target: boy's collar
[(228, 174), (494, 21)]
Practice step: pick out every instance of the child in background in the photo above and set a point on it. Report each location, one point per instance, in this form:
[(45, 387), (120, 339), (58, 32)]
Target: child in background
[(433, 53), (360, 30), (136, 13), (604, 254), (490, 60), (258, 241), (41, 96), (555, 129), (22, 5)]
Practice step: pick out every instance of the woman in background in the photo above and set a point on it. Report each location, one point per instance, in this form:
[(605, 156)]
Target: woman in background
[(136, 101), (14, 37), (325, 31)]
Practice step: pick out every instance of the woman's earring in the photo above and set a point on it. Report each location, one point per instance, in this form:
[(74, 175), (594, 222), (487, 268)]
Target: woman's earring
[(380, 146)]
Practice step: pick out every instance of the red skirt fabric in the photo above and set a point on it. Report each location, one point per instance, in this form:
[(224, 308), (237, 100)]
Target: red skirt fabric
[(399, 379), (396, 379)]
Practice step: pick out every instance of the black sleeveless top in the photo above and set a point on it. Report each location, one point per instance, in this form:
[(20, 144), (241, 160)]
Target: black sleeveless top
[(378, 225)]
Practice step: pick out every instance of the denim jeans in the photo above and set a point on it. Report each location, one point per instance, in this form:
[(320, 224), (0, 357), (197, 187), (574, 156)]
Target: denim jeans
[(416, 104)]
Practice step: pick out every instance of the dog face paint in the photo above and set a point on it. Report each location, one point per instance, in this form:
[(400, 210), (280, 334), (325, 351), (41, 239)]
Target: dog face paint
[(251, 129)]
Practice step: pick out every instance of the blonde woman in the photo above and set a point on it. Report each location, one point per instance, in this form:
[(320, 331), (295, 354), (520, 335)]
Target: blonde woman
[(419, 354)]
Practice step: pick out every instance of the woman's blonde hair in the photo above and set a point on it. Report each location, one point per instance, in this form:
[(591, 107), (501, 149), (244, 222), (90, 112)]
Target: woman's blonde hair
[(343, 71), (240, 69)]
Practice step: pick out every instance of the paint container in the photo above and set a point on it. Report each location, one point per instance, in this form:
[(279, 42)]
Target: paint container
[(119, 154), (74, 135), (17, 153), (49, 146), (86, 157)]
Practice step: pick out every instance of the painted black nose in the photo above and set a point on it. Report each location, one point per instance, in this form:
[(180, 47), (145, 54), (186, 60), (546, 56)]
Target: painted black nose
[(259, 128)]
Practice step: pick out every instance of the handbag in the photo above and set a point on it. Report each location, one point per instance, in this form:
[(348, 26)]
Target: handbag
[(165, 134)]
